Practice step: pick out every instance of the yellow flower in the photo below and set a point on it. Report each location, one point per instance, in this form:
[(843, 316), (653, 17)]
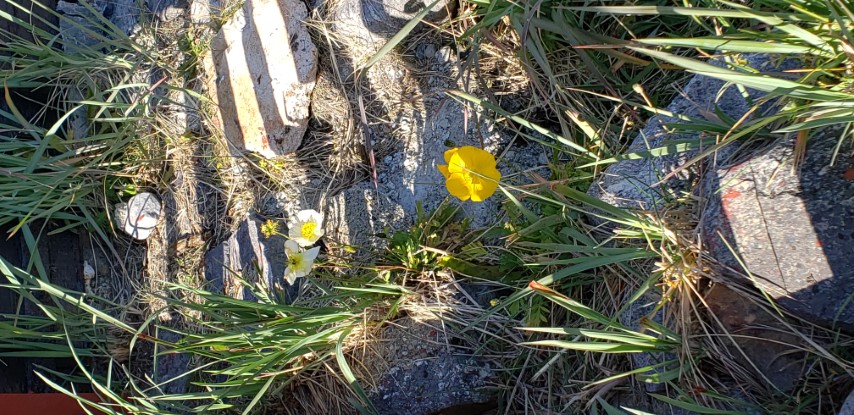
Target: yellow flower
[(270, 228), (470, 173)]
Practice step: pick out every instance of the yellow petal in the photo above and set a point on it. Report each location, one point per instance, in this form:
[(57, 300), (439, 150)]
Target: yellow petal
[(444, 169), (491, 173), (469, 153), (449, 153), (488, 161), (476, 159), (482, 188), (457, 164), (458, 187)]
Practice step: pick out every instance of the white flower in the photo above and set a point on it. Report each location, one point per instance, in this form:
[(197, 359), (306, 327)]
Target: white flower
[(307, 228), (299, 263)]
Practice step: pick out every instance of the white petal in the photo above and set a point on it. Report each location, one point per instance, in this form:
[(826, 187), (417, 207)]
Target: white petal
[(290, 276), (306, 215), (317, 218), (310, 215), (291, 247), (303, 241), (294, 231), (310, 255)]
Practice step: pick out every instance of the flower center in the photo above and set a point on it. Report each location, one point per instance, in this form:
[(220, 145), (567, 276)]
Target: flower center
[(295, 261), (308, 230)]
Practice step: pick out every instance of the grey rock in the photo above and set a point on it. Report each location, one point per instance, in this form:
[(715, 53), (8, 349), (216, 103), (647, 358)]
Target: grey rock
[(425, 376), (431, 385), (632, 183), (423, 130), (139, 216), (167, 10), (242, 256), (427, 51), (125, 14), (77, 33), (848, 405), (793, 229), (260, 74), (81, 30), (368, 23), (410, 124), (356, 215), (769, 348), (202, 11), (274, 204), (445, 55)]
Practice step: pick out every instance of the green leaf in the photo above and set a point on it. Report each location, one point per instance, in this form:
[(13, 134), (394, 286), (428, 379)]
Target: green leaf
[(609, 409), (365, 406), (599, 347), (693, 407), (733, 45), (666, 149), (771, 85), (817, 123), (574, 306)]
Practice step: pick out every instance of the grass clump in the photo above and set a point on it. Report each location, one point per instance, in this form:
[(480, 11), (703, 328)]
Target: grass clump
[(579, 289), (595, 66), (814, 36), (76, 122), (587, 93), (245, 353)]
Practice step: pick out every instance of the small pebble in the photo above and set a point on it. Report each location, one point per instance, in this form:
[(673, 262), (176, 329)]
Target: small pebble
[(444, 55), (139, 216), (429, 50)]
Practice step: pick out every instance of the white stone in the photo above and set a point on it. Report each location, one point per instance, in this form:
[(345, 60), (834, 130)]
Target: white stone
[(88, 271), (139, 216), (260, 74)]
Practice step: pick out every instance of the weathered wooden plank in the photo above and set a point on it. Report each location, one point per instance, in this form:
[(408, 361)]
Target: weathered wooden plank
[(14, 370), (62, 258), (60, 254), (25, 10), (30, 101)]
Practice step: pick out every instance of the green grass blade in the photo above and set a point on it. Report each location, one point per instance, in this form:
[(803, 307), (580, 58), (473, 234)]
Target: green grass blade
[(366, 407)]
